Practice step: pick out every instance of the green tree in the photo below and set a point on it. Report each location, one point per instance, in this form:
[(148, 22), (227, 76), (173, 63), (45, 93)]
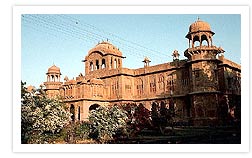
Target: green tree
[(41, 115), (106, 121)]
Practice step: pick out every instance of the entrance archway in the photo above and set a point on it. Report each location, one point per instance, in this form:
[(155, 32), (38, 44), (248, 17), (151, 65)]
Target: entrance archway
[(94, 107)]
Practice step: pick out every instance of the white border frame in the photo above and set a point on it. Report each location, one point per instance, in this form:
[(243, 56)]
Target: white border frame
[(19, 10)]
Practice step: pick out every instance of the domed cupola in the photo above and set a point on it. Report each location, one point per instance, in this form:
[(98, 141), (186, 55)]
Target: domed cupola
[(104, 56), (200, 42), (53, 74), (106, 48), (199, 31), (199, 26), (53, 69), (53, 81)]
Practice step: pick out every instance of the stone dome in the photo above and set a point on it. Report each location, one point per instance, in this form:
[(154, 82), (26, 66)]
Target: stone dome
[(106, 48), (199, 26), (146, 59), (54, 69)]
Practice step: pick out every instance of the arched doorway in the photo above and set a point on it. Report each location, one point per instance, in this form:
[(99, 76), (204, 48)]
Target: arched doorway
[(94, 107), (72, 111)]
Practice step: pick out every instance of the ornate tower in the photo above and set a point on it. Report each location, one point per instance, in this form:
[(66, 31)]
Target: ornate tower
[(104, 60), (202, 63), (104, 56), (202, 57), (53, 81), (199, 31)]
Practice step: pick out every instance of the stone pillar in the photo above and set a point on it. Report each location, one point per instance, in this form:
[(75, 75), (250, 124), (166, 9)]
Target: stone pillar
[(208, 41), (192, 41), (107, 61), (200, 40), (87, 67), (112, 63), (120, 62), (100, 63)]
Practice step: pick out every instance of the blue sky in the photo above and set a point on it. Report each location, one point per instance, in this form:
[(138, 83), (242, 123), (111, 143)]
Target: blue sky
[(64, 40)]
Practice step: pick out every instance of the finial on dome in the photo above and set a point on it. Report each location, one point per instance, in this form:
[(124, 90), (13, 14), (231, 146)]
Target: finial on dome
[(198, 18)]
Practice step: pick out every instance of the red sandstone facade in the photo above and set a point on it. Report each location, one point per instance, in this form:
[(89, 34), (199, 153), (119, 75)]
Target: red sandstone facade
[(195, 85)]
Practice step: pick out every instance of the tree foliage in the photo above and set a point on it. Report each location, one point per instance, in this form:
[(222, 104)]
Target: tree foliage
[(40, 114), (162, 116), (139, 118), (107, 121)]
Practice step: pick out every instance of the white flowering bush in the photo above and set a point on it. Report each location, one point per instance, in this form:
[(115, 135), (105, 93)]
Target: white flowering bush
[(49, 115), (41, 115), (106, 121)]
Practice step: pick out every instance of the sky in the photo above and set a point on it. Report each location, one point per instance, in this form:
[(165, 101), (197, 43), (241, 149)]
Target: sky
[(65, 39)]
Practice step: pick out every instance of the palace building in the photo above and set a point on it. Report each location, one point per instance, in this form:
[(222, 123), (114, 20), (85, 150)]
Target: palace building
[(196, 86)]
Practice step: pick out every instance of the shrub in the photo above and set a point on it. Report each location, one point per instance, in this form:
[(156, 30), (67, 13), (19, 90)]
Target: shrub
[(139, 118), (75, 131), (106, 122), (82, 130)]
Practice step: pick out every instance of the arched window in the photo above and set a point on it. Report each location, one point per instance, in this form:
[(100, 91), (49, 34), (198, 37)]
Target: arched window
[(64, 92), (196, 41), (68, 91), (152, 84), (71, 91), (115, 87), (103, 64), (115, 63), (91, 66), (139, 86), (169, 83), (96, 64), (78, 92), (111, 63), (161, 83), (204, 40), (128, 86)]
